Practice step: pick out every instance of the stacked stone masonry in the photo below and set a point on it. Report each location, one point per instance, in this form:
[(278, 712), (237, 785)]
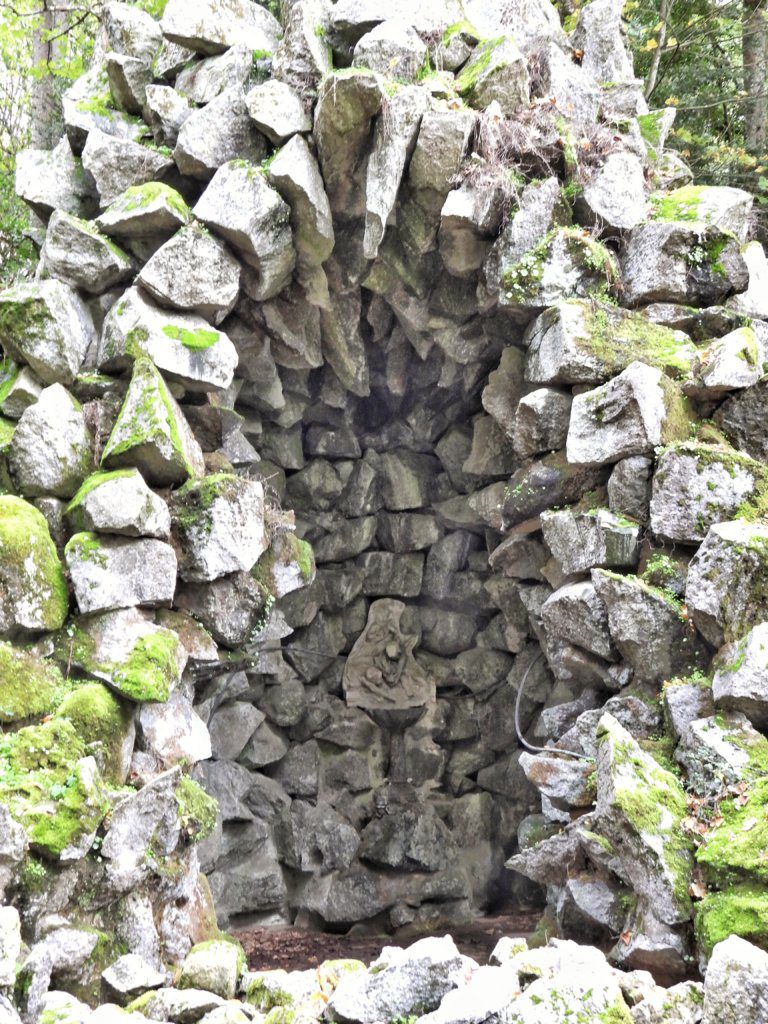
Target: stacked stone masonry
[(394, 328)]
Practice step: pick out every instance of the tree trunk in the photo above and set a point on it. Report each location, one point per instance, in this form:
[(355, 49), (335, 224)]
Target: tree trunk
[(664, 12), (755, 57), (46, 88)]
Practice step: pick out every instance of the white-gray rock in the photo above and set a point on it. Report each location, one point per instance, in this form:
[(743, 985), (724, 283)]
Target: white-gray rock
[(732, 362), (10, 945), (117, 164), (740, 682), (736, 984), (131, 976), (48, 326), (631, 415), (541, 422), (217, 133), (51, 451), (173, 733), (393, 49), (724, 591), (241, 207), (132, 31), (212, 26), (50, 180), (277, 111), (111, 572), (204, 80), (153, 210), (586, 540), (496, 72), (754, 301), (128, 80), (219, 522), (75, 253), (185, 347), (121, 503), (615, 196), (166, 111), (576, 613)]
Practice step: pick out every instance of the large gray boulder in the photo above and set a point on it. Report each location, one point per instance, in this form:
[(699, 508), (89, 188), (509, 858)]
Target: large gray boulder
[(697, 485), (48, 326), (118, 164), (614, 197), (496, 72), (49, 180), (75, 253), (240, 206), (588, 342), (115, 572), (631, 415), (219, 522), (185, 347), (739, 682), (303, 56), (587, 540), (731, 363), (277, 111), (51, 451), (217, 133), (166, 111), (743, 418), (392, 48), (649, 628), (724, 592), (399, 983), (119, 502), (736, 984), (131, 31), (202, 81), (212, 26), (692, 264), (577, 614)]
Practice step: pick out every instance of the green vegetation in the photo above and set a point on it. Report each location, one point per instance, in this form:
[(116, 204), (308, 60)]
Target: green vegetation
[(139, 197), (28, 686), (743, 911), (482, 60), (737, 850), (198, 340), (28, 555), (99, 716), (197, 810)]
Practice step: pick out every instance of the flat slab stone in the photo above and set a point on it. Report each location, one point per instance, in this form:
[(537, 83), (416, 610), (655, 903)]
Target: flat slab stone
[(114, 572), (145, 211)]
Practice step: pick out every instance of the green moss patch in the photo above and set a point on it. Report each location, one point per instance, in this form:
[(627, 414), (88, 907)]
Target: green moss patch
[(47, 788), (96, 480), (99, 716), (140, 197), (742, 911), (197, 340), (28, 686), (197, 810), (737, 850), (483, 60), (29, 562), (681, 206)]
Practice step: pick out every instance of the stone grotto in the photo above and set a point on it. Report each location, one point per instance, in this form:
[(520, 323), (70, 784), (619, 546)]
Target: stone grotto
[(383, 499)]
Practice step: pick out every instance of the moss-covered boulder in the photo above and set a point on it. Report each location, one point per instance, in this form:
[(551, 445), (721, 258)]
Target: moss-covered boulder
[(52, 788), (127, 651), (495, 71), (33, 590), (215, 966), (640, 808), (151, 433), (288, 565), (48, 326), (29, 686), (145, 211), (118, 502), (100, 717)]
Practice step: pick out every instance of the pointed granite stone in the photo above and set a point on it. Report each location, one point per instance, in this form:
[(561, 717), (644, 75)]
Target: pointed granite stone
[(151, 433)]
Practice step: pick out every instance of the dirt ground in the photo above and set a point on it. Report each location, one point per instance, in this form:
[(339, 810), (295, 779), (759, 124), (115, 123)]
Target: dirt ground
[(294, 950)]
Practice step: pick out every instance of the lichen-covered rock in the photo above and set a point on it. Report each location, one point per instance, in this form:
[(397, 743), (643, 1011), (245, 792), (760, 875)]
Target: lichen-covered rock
[(576, 613), (49, 180), (277, 111), (721, 749), (119, 502), (241, 207), (640, 807), (219, 522), (105, 724), (32, 585), (567, 263), (118, 164), (202, 81), (726, 592), (392, 48), (401, 982), (214, 966), (233, 608), (193, 271), (48, 326), (127, 651), (211, 26), (579, 342), (697, 485), (496, 72), (115, 572), (151, 433), (217, 133), (78, 255), (740, 673), (52, 450), (733, 362), (718, 205), (540, 485), (736, 988), (88, 107), (172, 733), (29, 685), (649, 628), (166, 111), (630, 415), (287, 566), (587, 540), (615, 195), (145, 211), (184, 346), (677, 262)]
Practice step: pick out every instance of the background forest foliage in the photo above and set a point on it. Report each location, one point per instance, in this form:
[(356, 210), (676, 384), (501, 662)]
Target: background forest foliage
[(707, 58)]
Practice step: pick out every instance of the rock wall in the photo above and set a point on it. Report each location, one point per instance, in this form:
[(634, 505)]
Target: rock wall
[(428, 279)]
